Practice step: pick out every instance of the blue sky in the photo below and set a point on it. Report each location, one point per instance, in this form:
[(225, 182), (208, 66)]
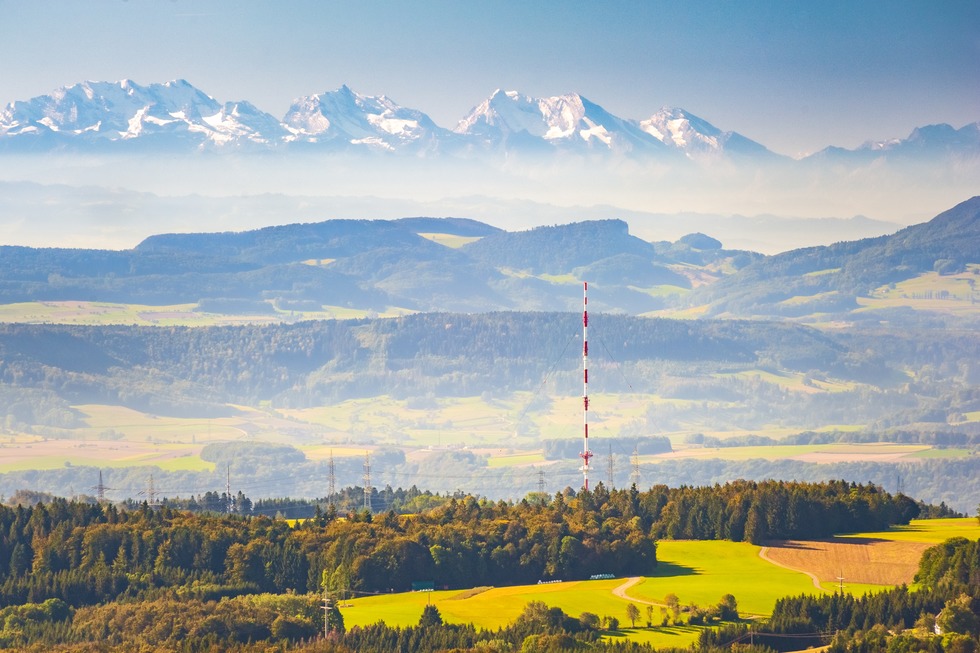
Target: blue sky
[(797, 76)]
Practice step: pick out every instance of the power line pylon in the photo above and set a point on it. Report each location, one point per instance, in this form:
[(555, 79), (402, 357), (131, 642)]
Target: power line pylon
[(635, 474), (100, 489), (367, 481)]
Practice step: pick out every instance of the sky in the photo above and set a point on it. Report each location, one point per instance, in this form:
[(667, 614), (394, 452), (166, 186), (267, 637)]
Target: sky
[(795, 76)]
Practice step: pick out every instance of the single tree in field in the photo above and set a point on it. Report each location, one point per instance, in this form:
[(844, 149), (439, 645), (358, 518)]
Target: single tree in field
[(430, 616), (649, 616), (632, 613), (674, 605), (728, 608)]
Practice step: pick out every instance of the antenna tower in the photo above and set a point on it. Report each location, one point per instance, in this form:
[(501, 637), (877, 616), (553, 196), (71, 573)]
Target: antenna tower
[(331, 480), (540, 481), (586, 454), (367, 480)]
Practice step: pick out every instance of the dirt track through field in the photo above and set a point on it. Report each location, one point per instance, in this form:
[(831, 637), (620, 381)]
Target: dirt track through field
[(764, 554), (620, 591)]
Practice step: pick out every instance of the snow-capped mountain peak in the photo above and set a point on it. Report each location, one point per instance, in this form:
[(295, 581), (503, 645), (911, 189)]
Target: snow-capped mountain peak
[(344, 117), (175, 115), (564, 121), (696, 137), (105, 112)]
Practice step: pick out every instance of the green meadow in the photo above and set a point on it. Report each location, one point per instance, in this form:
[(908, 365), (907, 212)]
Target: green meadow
[(698, 572), (932, 531), (498, 606), (702, 572)]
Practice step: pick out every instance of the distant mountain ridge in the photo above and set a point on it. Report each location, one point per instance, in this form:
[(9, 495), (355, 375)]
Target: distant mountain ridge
[(457, 265), (832, 278), (125, 116)]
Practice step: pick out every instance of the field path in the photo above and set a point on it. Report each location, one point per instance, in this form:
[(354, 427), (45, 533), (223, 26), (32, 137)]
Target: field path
[(816, 581), (620, 591)]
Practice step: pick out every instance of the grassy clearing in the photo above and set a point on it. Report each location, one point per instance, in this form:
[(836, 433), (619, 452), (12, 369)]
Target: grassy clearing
[(55, 454), (102, 313), (702, 572), (796, 382), (515, 460), (488, 609), (662, 291), (450, 240), (931, 531), (954, 294), (931, 454), (127, 424), (819, 453), (820, 273), (325, 451), (698, 572)]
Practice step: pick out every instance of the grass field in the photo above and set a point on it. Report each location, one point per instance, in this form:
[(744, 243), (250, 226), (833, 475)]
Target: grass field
[(816, 453), (450, 240), (499, 606), (508, 431), (931, 531), (698, 572), (954, 294), (53, 454), (101, 313), (702, 572)]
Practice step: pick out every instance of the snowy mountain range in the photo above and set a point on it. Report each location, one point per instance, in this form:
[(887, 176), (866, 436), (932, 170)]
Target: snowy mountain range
[(114, 116)]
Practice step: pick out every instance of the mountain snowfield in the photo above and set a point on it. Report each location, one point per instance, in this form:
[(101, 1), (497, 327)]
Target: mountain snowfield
[(177, 116)]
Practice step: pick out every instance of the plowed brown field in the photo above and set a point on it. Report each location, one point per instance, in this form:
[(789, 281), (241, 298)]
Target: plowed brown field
[(859, 560)]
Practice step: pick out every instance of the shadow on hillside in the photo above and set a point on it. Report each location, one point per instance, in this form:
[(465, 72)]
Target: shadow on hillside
[(807, 545), (671, 569)]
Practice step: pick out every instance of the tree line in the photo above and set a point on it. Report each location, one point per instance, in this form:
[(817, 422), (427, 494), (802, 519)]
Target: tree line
[(90, 553)]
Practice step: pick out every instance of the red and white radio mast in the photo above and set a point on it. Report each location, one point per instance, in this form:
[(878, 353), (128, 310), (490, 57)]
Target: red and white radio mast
[(586, 454)]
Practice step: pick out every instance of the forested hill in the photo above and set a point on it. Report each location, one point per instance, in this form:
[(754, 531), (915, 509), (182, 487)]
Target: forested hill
[(452, 264), (411, 264), (832, 278), (435, 354)]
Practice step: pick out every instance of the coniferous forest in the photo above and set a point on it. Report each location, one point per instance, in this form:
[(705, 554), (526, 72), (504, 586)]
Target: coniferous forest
[(100, 577)]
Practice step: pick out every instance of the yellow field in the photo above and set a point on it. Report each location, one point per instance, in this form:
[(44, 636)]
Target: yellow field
[(97, 313), (53, 454), (450, 240), (885, 558), (499, 606), (932, 531), (698, 572), (856, 560), (815, 453)]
